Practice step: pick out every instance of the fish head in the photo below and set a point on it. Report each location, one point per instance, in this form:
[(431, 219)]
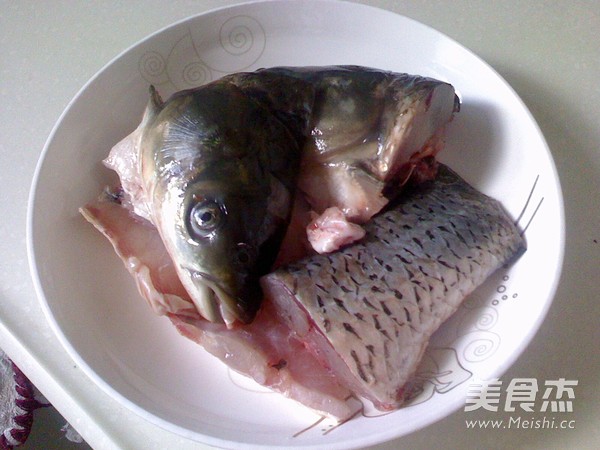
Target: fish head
[(219, 208), (222, 244)]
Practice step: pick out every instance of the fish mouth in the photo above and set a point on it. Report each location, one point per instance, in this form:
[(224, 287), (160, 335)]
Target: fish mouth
[(214, 302)]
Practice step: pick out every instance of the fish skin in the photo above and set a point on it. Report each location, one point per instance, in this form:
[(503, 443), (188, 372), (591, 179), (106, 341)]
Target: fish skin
[(370, 309)]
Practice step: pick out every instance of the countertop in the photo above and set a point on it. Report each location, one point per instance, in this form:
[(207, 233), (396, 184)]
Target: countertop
[(548, 51)]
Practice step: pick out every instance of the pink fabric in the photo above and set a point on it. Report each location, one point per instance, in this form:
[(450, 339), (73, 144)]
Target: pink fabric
[(17, 403)]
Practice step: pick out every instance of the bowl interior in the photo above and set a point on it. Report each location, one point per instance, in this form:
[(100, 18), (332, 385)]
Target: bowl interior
[(139, 359)]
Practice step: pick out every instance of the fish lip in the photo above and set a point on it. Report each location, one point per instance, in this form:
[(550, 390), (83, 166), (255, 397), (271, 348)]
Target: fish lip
[(228, 310)]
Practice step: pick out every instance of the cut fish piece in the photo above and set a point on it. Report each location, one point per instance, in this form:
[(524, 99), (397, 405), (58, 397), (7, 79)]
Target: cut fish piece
[(367, 312)]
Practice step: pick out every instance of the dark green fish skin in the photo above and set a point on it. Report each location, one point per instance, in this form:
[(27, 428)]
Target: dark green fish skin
[(220, 165), (370, 309)]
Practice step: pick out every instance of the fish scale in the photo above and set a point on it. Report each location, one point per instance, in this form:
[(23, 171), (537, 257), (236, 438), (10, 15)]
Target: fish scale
[(378, 301)]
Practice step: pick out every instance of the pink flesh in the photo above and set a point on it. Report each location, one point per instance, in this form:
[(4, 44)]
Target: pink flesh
[(332, 230), (291, 311), (138, 244), (266, 350)]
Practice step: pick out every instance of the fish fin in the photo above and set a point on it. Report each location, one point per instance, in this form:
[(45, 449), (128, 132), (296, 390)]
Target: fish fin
[(153, 107)]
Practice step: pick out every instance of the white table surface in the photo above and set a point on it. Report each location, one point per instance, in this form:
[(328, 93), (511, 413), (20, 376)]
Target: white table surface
[(547, 50)]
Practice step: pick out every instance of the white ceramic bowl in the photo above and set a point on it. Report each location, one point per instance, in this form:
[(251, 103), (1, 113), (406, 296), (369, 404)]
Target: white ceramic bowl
[(140, 360)]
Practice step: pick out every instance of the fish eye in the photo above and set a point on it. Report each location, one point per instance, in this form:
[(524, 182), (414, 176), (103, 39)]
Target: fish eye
[(204, 218)]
